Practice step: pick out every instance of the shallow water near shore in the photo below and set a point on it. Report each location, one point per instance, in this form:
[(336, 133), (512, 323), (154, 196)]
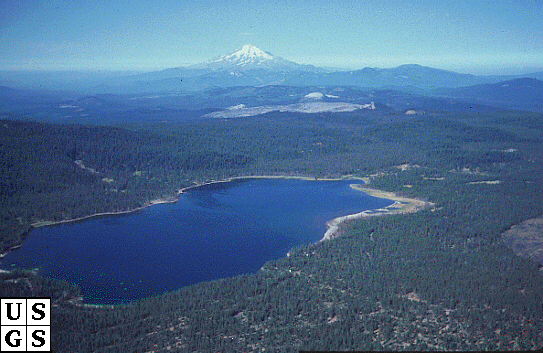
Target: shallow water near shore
[(213, 231)]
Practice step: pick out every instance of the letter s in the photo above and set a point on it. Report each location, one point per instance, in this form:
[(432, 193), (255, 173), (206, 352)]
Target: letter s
[(38, 311), (38, 338)]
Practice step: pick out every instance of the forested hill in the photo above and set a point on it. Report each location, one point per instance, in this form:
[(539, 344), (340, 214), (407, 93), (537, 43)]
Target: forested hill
[(436, 279)]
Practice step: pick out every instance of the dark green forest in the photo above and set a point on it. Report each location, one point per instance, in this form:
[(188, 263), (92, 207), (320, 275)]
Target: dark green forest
[(438, 279)]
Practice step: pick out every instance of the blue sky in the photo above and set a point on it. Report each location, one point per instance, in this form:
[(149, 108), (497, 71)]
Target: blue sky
[(482, 37)]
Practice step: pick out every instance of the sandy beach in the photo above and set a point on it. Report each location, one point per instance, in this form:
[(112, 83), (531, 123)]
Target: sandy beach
[(401, 205)]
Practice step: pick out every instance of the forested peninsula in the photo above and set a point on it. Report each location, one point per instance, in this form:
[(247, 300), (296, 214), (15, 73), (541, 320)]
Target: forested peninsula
[(441, 278)]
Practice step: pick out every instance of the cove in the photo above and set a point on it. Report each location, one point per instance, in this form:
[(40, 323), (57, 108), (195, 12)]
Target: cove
[(213, 231)]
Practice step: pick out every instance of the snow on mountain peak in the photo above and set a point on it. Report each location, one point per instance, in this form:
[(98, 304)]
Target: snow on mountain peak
[(252, 51), (249, 58), (246, 54)]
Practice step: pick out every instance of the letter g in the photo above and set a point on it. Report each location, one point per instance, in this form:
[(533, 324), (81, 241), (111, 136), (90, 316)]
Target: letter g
[(9, 341)]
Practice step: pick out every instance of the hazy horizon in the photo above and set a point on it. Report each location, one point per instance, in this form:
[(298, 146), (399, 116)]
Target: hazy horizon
[(478, 71), (477, 37)]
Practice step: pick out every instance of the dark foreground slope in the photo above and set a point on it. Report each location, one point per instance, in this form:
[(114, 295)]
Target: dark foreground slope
[(437, 279)]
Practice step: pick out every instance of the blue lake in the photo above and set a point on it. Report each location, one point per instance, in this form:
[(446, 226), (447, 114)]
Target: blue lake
[(213, 231)]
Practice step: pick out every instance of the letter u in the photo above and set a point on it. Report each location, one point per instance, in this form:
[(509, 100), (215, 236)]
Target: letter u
[(10, 316)]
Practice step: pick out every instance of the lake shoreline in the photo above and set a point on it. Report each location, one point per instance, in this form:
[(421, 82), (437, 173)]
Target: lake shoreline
[(401, 205), (175, 198), (227, 180), (102, 214)]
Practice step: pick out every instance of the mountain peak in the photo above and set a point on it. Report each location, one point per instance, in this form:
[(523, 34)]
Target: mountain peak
[(249, 58), (246, 54)]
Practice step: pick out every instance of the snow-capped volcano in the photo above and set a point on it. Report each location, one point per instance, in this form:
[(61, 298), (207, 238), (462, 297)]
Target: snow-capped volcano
[(245, 55), (248, 58)]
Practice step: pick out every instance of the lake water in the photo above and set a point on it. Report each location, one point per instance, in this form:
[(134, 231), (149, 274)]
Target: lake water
[(213, 231)]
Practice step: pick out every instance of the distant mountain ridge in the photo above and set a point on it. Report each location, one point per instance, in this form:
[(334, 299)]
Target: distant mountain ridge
[(252, 66), (402, 76)]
